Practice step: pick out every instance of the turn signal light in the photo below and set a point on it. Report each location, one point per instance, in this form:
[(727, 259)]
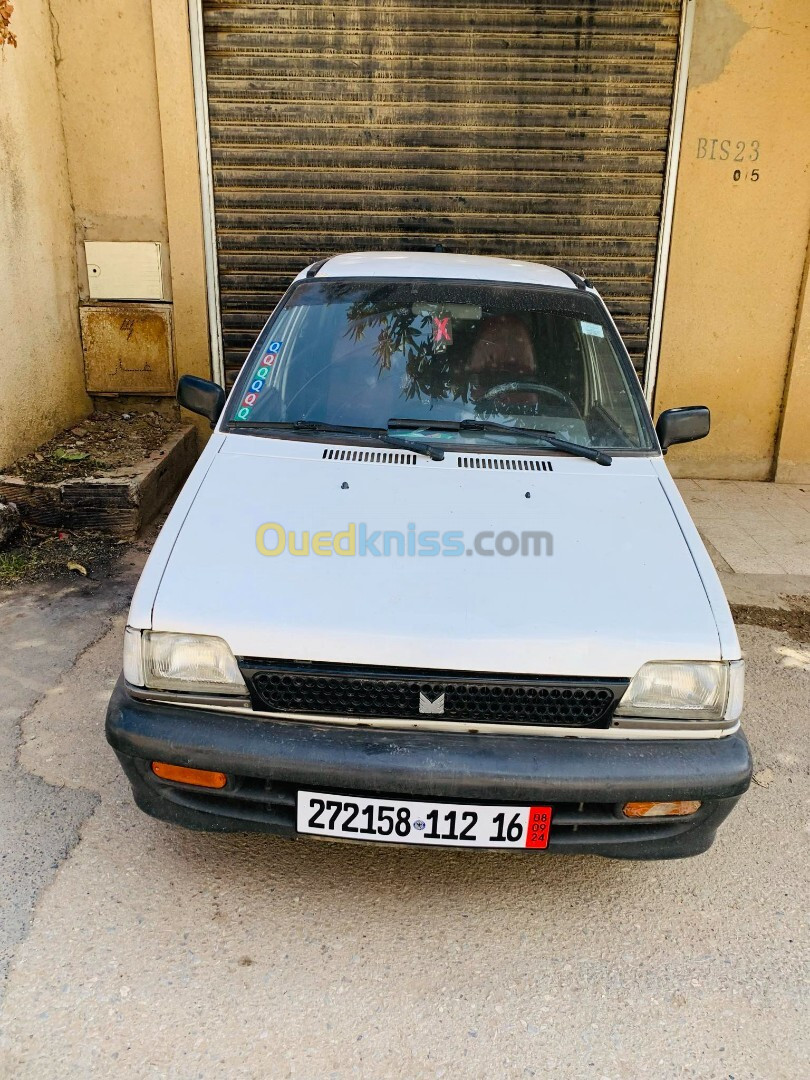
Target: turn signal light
[(679, 808), (198, 777)]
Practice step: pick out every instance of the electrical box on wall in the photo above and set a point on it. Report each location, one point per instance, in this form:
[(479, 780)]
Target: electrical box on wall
[(124, 271), (128, 348)]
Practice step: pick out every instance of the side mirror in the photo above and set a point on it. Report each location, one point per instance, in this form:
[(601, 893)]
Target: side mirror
[(683, 425), (201, 396)]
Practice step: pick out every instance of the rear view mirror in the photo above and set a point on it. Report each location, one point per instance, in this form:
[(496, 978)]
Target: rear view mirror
[(201, 396), (683, 425)]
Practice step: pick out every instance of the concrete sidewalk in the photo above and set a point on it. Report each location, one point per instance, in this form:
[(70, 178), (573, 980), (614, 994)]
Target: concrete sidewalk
[(758, 536)]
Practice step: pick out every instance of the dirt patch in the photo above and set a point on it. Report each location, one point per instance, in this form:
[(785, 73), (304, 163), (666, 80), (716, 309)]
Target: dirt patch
[(100, 444), (794, 621), (42, 555)]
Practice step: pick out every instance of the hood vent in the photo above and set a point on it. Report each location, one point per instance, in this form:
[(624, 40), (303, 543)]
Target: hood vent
[(402, 457), (374, 457), (519, 463)]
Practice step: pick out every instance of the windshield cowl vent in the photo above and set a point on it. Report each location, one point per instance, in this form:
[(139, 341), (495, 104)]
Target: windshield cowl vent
[(373, 457), (518, 463)]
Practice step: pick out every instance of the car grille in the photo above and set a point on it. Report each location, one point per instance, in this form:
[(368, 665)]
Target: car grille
[(284, 686)]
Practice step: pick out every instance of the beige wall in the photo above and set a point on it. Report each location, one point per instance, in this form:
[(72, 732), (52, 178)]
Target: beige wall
[(106, 73), (130, 130), (182, 179), (738, 247), (41, 371)]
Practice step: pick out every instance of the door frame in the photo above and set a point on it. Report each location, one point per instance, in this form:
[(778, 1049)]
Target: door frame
[(685, 34), (195, 26), (668, 198)]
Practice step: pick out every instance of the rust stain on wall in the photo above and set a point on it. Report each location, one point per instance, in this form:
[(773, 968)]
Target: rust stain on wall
[(6, 35), (718, 31), (128, 348)]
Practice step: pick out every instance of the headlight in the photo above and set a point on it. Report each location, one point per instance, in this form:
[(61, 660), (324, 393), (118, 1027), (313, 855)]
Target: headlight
[(685, 690), (190, 662)]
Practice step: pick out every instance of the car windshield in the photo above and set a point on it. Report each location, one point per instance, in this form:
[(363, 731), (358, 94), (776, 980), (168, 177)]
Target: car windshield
[(358, 354)]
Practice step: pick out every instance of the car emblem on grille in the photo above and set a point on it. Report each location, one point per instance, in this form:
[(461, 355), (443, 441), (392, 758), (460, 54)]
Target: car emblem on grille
[(428, 706)]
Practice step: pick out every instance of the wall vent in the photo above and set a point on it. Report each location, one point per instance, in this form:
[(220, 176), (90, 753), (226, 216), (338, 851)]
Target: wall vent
[(518, 463), (373, 457)]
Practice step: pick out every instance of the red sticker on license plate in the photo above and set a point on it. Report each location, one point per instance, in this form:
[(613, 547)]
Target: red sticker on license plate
[(538, 826)]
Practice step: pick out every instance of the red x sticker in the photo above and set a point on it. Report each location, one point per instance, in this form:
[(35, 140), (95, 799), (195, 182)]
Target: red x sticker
[(442, 330)]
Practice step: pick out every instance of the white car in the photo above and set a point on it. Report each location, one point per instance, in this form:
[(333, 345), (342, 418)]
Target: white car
[(431, 582)]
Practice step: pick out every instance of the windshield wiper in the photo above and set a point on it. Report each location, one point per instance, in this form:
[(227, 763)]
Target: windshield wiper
[(318, 427), (548, 437)]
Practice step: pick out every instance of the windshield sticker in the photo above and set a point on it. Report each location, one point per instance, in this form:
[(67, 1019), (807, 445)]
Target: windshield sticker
[(442, 330), (257, 385), (592, 328), (442, 333), (273, 349)]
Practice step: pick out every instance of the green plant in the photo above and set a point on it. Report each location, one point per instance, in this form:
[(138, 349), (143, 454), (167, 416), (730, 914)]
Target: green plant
[(69, 455), (12, 565)]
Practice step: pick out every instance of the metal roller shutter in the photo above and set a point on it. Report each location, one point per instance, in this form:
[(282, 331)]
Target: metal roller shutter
[(528, 130)]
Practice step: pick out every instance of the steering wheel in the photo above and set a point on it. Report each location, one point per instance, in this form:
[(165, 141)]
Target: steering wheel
[(533, 388)]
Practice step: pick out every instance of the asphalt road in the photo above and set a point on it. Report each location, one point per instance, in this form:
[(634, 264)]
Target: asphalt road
[(139, 950)]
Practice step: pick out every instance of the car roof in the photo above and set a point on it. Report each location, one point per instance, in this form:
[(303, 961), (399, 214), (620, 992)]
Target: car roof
[(421, 264)]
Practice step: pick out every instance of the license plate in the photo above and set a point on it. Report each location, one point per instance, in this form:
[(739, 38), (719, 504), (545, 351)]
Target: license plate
[(447, 824)]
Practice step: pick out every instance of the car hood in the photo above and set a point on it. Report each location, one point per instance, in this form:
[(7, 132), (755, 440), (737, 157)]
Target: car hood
[(618, 588)]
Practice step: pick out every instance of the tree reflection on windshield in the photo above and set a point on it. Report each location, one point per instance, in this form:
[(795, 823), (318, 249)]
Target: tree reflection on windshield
[(353, 352), (431, 372)]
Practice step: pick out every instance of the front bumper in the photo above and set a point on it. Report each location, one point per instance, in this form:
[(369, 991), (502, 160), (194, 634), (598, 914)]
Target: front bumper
[(584, 780)]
